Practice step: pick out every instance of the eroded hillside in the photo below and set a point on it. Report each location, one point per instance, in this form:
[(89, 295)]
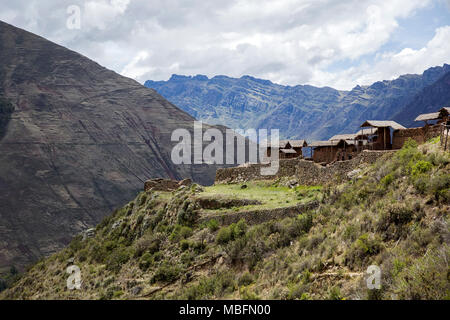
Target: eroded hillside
[(202, 243), (76, 141)]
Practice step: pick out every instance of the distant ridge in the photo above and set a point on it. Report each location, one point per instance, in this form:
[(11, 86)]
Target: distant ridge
[(302, 111)]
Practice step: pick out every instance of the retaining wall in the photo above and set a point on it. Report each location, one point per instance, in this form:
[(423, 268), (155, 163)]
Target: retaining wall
[(306, 172)]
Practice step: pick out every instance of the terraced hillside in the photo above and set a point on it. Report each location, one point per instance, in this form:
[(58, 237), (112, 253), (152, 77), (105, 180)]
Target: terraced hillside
[(183, 245)]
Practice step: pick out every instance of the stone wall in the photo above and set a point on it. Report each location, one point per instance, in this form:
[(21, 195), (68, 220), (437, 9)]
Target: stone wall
[(306, 172), (258, 216), (160, 184), (421, 135)]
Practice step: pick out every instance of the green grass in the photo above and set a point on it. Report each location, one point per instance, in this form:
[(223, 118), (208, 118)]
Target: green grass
[(266, 192)]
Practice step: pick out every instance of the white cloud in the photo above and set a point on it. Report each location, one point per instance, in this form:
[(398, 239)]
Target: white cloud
[(286, 41), (133, 70), (393, 64), (101, 13)]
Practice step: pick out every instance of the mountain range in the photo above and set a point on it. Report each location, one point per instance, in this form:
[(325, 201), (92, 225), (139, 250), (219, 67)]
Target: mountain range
[(304, 111), (76, 141)]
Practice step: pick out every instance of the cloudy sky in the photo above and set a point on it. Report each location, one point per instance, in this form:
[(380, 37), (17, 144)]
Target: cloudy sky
[(337, 43)]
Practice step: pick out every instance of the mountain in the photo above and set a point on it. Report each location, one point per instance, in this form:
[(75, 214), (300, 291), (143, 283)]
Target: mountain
[(302, 111), (429, 99), (76, 141), (228, 242)]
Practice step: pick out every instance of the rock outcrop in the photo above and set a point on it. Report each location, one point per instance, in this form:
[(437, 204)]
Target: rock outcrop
[(160, 184)]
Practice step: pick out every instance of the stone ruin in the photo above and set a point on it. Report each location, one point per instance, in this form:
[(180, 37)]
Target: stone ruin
[(160, 184)]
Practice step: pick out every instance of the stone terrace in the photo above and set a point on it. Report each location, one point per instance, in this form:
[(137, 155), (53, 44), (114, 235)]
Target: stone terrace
[(306, 172)]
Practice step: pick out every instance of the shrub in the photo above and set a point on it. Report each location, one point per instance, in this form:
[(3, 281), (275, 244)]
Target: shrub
[(239, 229), (203, 290), (400, 214), (439, 186), (180, 232), (232, 232), (247, 294), (362, 248), (245, 279), (387, 180), (224, 235), (334, 294), (150, 245), (297, 291), (186, 215), (184, 245), (421, 166), (146, 261), (426, 278), (166, 273), (212, 225), (143, 199), (118, 258)]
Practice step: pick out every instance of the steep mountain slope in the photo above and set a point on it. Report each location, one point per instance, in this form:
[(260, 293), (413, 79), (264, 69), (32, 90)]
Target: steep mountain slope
[(394, 215), (429, 99), (299, 111), (80, 142)]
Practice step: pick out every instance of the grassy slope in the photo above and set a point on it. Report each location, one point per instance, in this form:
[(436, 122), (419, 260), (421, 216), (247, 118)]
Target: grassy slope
[(396, 215)]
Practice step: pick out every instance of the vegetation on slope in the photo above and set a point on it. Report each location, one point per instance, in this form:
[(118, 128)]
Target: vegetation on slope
[(6, 109), (394, 215)]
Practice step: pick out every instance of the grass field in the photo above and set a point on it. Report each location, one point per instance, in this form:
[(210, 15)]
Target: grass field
[(267, 192)]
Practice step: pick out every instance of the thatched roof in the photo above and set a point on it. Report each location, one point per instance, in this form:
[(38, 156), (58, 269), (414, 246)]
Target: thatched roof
[(428, 116), (382, 124)]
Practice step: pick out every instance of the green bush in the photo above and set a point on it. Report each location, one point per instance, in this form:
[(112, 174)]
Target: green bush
[(186, 215), (245, 279), (184, 245), (180, 232), (232, 232), (400, 213), (146, 261), (421, 166), (166, 273), (387, 180), (364, 247), (439, 186), (335, 294), (213, 225), (426, 278), (118, 258), (150, 245), (224, 235)]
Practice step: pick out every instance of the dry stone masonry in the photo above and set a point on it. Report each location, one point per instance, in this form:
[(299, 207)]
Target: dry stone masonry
[(306, 172)]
